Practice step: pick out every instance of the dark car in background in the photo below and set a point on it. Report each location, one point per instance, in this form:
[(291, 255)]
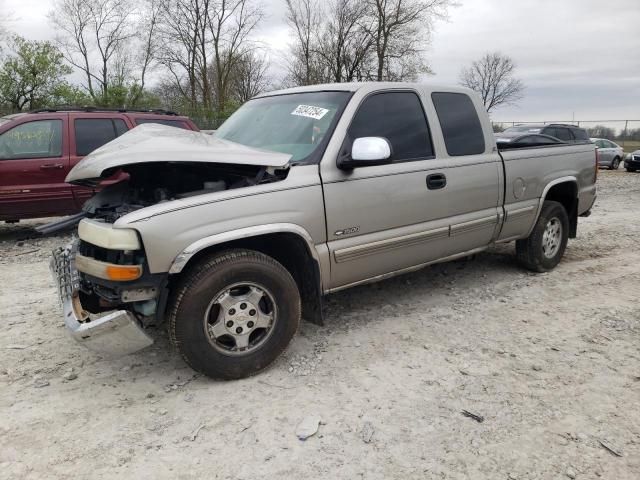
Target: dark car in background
[(632, 162), (562, 131), (39, 148), (527, 140)]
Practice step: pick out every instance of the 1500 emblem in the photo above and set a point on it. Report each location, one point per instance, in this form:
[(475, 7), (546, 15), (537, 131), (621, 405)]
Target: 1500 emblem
[(347, 231)]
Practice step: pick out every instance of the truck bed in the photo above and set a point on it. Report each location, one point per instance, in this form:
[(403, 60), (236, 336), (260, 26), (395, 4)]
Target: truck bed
[(524, 185)]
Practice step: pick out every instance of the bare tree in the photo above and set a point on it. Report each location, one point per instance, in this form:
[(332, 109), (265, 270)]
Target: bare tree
[(184, 47), (602, 131), (305, 18), (231, 23), (353, 40), (94, 33), (149, 45), (250, 76), (344, 44), (493, 78), (401, 30), (202, 42)]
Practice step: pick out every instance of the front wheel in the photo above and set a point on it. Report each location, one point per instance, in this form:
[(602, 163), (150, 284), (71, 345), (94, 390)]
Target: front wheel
[(544, 248), (630, 169), (234, 313)]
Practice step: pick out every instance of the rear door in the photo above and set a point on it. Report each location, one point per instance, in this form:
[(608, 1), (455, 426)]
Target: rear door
[(580, 135), (564, 134), (87, 133), (386, 218), (34, 161)]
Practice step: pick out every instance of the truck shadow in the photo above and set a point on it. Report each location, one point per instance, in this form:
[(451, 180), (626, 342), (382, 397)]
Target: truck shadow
[(420, 287)]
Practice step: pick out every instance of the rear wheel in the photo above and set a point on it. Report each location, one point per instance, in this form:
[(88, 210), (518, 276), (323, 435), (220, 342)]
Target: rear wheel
[(544, 248), (630, 169), (234, 314)]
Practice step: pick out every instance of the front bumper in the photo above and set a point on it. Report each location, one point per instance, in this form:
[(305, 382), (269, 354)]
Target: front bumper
[(113, 333), (632, 163)]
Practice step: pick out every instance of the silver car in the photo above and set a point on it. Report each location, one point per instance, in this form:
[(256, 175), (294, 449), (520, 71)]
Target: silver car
[(609, 154)]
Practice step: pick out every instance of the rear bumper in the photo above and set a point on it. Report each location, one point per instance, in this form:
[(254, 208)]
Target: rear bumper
[(113, 333)]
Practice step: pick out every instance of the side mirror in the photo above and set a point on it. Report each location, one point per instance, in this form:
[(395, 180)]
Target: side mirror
[(367, 151)]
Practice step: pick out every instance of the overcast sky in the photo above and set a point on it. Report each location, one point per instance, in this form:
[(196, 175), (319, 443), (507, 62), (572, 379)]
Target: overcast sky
[(579, 59)]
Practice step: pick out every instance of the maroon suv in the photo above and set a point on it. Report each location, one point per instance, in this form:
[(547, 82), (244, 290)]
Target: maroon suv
[(37, 150)]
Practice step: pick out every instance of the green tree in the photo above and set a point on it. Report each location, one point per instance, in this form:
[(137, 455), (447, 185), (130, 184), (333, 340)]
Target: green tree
[(30, 74), (70, 95)]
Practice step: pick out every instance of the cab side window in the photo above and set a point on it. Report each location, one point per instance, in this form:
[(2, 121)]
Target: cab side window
[(92, 133), (461, 128), (398, 117), (37, 139)]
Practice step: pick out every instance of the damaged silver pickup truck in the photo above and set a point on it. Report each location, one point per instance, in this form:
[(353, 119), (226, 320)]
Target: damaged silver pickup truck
[(232, 238)]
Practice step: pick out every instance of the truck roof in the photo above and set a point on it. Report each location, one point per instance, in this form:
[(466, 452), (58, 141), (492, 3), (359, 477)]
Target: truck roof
[(369, 87)]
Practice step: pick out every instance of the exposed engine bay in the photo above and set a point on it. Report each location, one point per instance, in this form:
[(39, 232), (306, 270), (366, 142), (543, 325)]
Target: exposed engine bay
[(153, 183)]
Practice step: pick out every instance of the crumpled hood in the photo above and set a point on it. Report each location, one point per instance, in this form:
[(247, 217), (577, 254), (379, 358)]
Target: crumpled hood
[(160, 143)]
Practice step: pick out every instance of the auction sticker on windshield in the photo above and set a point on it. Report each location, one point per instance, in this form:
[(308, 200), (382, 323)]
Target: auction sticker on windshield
[(310, 111)]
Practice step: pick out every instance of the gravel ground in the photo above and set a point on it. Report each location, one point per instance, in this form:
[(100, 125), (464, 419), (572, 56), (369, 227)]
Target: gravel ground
[(551, 362)]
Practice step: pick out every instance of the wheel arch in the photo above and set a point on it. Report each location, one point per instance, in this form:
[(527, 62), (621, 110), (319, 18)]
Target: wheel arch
[(563, 190), (289, 244)]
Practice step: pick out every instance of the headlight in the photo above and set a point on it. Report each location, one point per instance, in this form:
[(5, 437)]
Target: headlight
[(105, 236)]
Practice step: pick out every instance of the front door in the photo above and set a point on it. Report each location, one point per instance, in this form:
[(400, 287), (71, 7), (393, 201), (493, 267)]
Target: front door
[(34, 162), (425, 205)]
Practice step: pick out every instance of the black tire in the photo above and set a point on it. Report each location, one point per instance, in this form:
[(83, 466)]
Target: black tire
[(630, 169), (198, 290), (615, 164), (530, 251)]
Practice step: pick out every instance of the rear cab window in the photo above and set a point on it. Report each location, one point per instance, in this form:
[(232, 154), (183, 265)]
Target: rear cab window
[(397, 117), (461, 127), (92, 133), (34, 139)]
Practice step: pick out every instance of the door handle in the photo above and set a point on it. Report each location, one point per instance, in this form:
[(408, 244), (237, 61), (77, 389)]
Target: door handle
[(51, 166), (436, 181)]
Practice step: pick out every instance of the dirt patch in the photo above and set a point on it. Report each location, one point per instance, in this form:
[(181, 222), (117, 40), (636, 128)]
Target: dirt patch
[(550, 362)]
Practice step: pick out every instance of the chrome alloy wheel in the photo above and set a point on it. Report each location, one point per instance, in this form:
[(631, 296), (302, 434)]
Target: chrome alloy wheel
[(552, 237), (240, 318)]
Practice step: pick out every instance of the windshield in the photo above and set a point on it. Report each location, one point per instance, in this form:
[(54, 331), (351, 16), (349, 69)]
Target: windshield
[(293, 124), (523, 129)]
